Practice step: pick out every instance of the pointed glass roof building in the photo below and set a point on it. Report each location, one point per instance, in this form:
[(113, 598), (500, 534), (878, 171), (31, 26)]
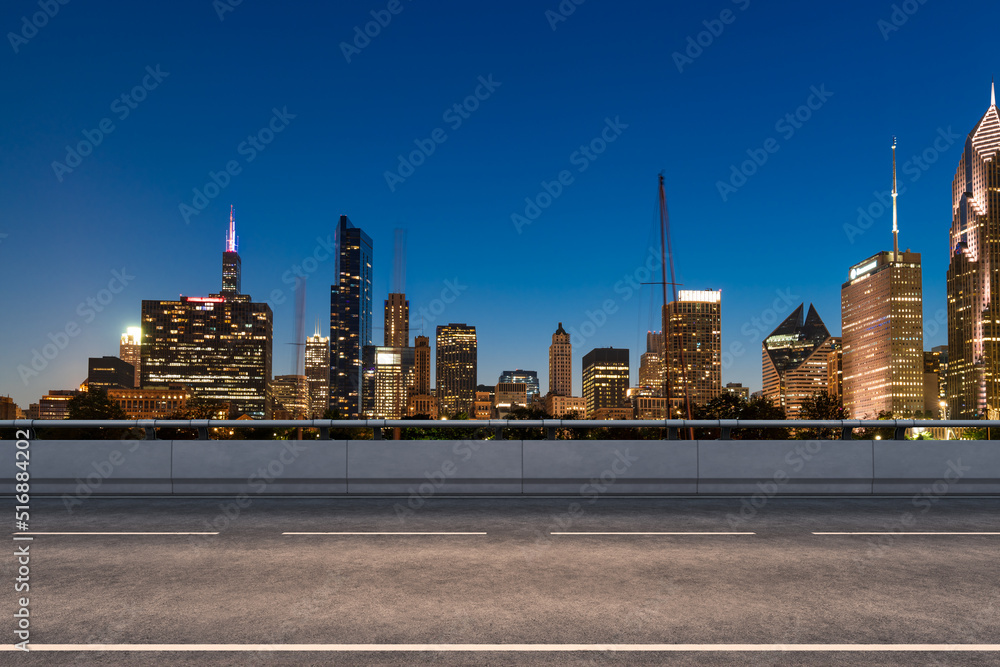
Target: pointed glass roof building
[(795, 358)]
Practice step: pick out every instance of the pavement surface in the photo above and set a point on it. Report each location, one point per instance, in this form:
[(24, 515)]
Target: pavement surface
[(516, 584)]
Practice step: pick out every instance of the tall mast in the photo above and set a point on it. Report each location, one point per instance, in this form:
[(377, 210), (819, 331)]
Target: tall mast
[(895, 229), (665, 236), (231, 234)]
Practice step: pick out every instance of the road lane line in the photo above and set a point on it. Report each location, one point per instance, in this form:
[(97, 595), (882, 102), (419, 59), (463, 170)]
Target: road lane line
[(520, 648), (641, 533), (377, 533), (905, 533), (118, 533)]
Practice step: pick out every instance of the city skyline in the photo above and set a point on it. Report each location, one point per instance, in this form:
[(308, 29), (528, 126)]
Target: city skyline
[(141, 180)]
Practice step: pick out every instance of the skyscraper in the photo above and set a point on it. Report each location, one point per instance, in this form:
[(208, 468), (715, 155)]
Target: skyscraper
[(397, 321), (692, 348), (457, 368), (387, 373), (561, 364), (318, 373), (129, 351), (650, 366), (795, 360), (232, 268), (219, 345), (605, 379), (291, 396), (973, 304), (419, 399), (350, 317), (883, 331)]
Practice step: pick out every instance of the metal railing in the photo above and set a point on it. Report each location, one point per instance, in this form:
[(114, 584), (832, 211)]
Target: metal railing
[(671, 427)]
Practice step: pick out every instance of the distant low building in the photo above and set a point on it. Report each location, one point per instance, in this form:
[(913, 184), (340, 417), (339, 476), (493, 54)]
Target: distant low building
[(109, 373), (55, 404), (559, 406), (738, 389), (150, 403), (8, 409)]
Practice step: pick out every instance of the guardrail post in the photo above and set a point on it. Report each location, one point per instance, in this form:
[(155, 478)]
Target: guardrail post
[(726, 431), (847, 433), (324, 432), (377, 433), (150, 433), (203, 433), (498, 433), (671, 433), (550, 433), (900, 433)]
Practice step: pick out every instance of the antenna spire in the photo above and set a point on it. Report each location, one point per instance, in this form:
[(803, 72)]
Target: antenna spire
[(993, 93), (231, 240), (895, 193)]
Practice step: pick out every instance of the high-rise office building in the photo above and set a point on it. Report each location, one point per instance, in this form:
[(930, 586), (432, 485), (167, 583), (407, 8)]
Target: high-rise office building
[(350, 317), (419, 399), (795, 360), (318, 372), (457, 368), (692, 349), (605, 379), (291, 396), (387, 373), (129, 350), (940, 353), (109, 373), (883, 330), (883, 339), (219, 346), (973, 304), (561, 363), (650, 365), (529, 378), (932, 386), (397, 321)]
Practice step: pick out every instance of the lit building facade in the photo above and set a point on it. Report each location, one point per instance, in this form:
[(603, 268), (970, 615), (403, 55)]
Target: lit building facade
[(883, 336), (456, 368), (692, 348), (420, 401), (317, 367), (397, 321), (290, 394), (974, 247), (387, 372), (509, 395), (55, 404), (737, 389), (129, 351), (561, 363), (795, 360), (219, 346), (150, 403), (529, 378), (559, 406), (835, 370), (350, 318), (605, 380), (650, 364)]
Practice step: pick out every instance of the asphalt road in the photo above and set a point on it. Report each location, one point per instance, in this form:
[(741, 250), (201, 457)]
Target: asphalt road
[(517, 584)]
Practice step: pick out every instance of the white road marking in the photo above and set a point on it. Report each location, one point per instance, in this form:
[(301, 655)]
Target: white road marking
[(376, 533), (119, 533), (904, 533), (520, 648), (639, 533)]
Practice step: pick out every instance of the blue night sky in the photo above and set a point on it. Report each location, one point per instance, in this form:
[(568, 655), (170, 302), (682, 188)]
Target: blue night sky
[(777, 238)]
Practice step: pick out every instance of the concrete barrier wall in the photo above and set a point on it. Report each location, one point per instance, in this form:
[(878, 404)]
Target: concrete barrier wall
[(431, 467), (508, 467), (937, 467), (259, 466), (612, 467), (785, 466)]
